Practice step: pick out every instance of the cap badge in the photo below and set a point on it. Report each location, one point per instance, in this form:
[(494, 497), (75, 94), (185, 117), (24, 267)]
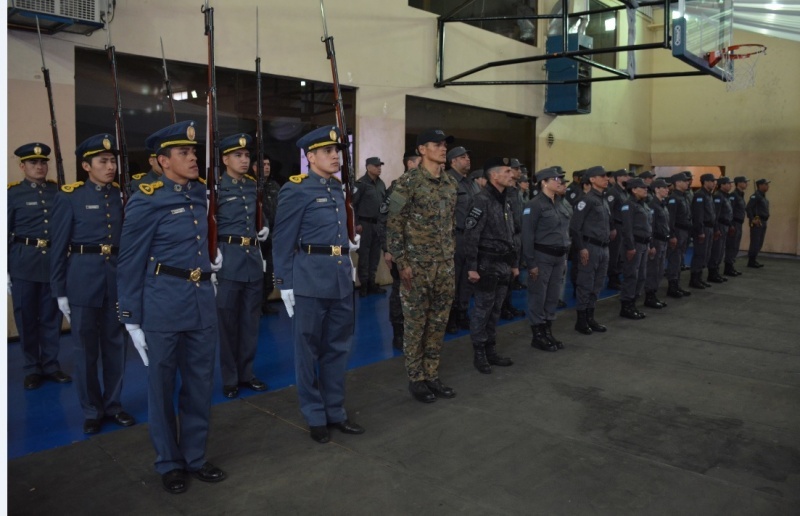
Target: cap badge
[(333, 136), (242, 142), (106, 143), (37, 150), (505, 161), (190, 132)]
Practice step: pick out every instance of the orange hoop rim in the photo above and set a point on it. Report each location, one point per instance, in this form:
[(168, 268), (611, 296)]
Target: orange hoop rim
[(730, 52)]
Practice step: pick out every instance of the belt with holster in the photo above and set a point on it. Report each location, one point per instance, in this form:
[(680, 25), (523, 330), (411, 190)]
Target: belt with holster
[(102, 249), (238, 240), (35, 242), (187, 274), (641, 240), (371, 220), (330, 250), (595, 241), (551, 250), (509, 257)]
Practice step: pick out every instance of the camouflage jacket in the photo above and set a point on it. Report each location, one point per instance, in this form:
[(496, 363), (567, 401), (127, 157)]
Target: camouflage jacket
[(421, 222)]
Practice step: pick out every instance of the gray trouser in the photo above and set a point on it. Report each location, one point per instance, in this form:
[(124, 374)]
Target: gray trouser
[(634, 272), (591, 276), (702, 251), (756, 239), (369, 253), (655, 266), (733, 243), (718, 248), (239, 311), (543, 293), (675, 256), (489, 294), (614, 252)]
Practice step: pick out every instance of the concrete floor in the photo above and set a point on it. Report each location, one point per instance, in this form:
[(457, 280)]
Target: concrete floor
[(695, 410)]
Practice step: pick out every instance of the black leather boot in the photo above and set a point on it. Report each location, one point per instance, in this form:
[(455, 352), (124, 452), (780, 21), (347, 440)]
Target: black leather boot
[(494, 359), (753, 264), (397, 340), (582, 324), (540, 340), (641, 314), (594, 325), (673, 290), (730, 271), (714, 277), (480, 361), (548, 332), (695, 282), (629, 311), (651, 301)]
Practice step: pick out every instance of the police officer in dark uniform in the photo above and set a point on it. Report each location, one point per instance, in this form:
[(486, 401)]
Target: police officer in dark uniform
[(545, 243), (758, 213), (616, 195), (241, 278), (648, 177), (636, 235), (680, 227), (509, 311), (734, 241), (269, 206), (724, 214), (591, 231), (87, 222), (662, 238), (367, 200), (314, 274), (704, 219), (575, 189), (29, 211), (166, 301), (491, 260), (147, 177)]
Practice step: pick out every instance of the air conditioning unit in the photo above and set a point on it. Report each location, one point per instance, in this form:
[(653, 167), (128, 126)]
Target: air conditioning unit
[(75, 16)]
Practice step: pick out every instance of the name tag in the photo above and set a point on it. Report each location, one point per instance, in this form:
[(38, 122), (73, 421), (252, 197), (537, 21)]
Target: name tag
[(231, 198), (179, 210), (92, 206), (31, 203), (322, 199)]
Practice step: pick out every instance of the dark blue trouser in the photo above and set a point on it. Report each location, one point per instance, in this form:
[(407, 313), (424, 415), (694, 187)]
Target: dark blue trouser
[(38, 322), (239, 314), (757, 234)]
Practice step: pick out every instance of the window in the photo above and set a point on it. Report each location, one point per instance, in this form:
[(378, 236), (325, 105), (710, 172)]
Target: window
[(603, 30), (520, 30)]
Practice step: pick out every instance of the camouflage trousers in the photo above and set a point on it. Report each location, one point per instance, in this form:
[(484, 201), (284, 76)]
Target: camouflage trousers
[(426, 307)]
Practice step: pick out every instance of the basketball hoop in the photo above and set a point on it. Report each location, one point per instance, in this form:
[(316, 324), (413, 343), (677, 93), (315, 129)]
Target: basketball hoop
[(745, 57)]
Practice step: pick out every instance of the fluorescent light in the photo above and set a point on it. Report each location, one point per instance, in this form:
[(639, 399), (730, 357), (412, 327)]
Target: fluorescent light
[(611, 24), (302, 83), (194, 94)]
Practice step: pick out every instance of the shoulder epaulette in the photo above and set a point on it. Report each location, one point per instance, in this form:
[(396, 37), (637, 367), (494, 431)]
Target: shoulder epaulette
[(15, 183), (202, 181), (138, 176), (71, 187), (149, 188), (114, 184), (251, 178), (299, 178)]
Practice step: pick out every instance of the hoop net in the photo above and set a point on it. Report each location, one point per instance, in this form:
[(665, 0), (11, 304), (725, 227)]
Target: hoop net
[(738, 63)]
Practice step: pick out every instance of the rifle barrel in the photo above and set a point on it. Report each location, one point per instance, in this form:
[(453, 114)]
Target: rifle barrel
[(60, 179)]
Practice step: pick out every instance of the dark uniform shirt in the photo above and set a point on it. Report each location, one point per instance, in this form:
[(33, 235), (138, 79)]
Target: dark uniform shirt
[(86, 214), (30, 207), (703, 213), (574, 193), (236, 217), (723, 209), (637, 223), (680, 215), (368, 198), (544, 223), (758, 206), (592, 219), (661, 224), (466, 191), (738, 205), (616, 196), (489, 229)]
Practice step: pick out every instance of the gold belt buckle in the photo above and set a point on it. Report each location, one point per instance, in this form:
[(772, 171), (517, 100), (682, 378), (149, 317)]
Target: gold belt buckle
[(195, 274), (245, 240), (105, 249), (336, 250), (41, 242)]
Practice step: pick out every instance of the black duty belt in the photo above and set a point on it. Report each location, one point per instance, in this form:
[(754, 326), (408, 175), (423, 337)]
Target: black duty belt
[(739, 221), (687, 227), (551, 250), (35, 242), (238, 240), (103, 249), (595, 241), (330, 250), (660, 238), (641, 240), (187, 274), (724, 222), (371, 220), (708, 224)]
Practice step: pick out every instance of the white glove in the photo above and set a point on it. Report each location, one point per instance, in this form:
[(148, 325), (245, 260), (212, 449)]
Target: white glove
[(137, 336), (354, 245), (9, 283), (214, 282), (63, 305), (288, 301), (217, 263), (263, 234)]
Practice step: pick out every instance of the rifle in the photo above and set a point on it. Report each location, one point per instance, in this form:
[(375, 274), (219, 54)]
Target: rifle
[(348, 174), (167, 84), (212, 142), (259, 141), (56, 142), (122, 162)]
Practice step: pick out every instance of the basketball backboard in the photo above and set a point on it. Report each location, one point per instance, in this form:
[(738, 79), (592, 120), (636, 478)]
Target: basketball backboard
[(700, 27)]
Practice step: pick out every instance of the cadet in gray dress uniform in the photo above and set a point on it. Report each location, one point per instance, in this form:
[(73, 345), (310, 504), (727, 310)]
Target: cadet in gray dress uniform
[(680, 226), (636, 235), (724, 214), (166, 301), (704, 219), (29, 203), (314, 274), (591, 231), (758, 214), (491, 259), (367, 200), (241, 278), (662, 238), (147, 177), (734, 240), (87, 223), (545, 243)]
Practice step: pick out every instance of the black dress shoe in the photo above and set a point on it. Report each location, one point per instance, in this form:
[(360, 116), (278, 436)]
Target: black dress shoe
[(33, 381), (209, 473), (91, 426), (320, 434), (420, 391), (122, 419), (59, 377), (230, 391), (348, 427), (439, 389), (254, 384), (174, 481)]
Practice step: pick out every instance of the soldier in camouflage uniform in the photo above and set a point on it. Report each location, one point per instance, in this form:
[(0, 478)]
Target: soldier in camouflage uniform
[(419, 235), (491, 260)]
